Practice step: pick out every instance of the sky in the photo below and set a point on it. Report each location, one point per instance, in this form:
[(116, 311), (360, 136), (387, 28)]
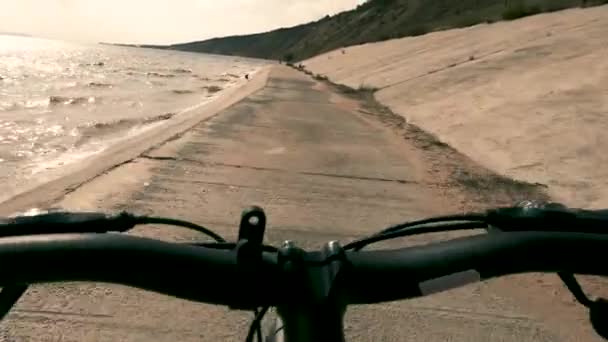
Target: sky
[(158, 21)]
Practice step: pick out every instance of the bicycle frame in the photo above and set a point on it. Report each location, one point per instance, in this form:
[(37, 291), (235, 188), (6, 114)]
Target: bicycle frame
[(319, 316), (292, 326)]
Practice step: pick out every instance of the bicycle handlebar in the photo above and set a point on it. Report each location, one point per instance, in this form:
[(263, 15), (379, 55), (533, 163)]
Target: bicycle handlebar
[(213, 275)]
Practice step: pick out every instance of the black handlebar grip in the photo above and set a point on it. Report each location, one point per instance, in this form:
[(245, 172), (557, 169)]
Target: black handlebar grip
[(65, 222)]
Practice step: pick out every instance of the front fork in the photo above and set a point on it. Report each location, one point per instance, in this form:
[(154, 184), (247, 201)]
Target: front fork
[(289, 327)]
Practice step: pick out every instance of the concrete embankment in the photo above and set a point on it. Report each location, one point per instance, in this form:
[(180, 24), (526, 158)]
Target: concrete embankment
[(527, 98)]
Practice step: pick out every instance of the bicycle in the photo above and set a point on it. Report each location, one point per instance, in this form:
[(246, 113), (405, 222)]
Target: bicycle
[(525, 238)]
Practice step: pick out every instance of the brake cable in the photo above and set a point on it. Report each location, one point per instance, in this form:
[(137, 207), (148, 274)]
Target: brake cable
[(575, 288), (598, 308), (179, 223), (87, 222), (437, 219), (9, 296), (57, 222), (256, 324), (357, 245)]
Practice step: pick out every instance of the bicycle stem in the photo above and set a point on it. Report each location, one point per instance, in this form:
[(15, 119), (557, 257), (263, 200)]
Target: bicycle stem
[(318, 313)]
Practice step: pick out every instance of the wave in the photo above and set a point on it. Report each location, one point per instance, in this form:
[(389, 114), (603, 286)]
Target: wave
[(182, 91), (157, 74), (97, 64), (129, 122), (230, 75), (28, 104), (181, 71), (100, 129), (69, 100), (212, 89), (99, 85), (54, 100)]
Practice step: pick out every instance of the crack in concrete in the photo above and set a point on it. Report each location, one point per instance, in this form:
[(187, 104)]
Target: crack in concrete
[(447, 67), (261, 168)]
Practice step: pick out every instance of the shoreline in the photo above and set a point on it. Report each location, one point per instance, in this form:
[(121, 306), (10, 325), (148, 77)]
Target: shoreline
[(73, 176)]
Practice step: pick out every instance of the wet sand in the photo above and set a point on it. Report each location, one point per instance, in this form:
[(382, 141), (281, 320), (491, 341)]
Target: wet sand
[(325, 165)]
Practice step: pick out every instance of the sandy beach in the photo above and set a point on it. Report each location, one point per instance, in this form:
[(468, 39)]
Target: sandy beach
[(527, 99)]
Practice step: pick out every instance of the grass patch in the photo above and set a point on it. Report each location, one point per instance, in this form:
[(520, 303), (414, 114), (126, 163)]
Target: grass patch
[(364, 88), (520, 11), (320, 77), (418, 30)]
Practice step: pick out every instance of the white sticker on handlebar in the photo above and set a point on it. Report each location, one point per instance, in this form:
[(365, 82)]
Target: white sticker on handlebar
[(448, 282)]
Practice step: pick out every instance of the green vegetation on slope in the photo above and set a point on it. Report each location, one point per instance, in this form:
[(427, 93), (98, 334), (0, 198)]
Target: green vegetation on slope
[(375, 20)]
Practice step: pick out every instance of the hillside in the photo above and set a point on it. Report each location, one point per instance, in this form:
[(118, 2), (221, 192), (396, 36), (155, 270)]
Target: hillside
[(376, 20)]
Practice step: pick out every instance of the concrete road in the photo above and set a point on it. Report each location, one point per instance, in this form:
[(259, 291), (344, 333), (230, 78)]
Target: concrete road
[(323, 167)]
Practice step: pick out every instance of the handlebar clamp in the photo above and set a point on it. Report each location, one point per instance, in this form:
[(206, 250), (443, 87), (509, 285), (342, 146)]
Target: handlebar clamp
[(251, 237), (249, 250)]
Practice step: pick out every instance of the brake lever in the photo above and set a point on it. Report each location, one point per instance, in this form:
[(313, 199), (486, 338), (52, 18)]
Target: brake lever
[(66, 222), (249, 250)]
